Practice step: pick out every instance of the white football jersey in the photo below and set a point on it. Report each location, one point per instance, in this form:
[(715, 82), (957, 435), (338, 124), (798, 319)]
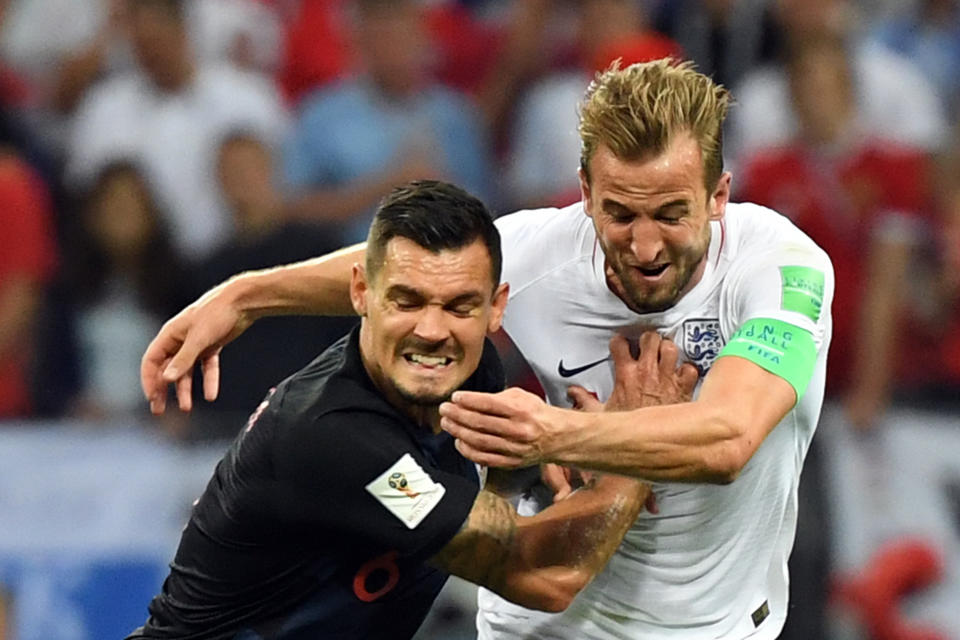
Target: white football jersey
[(713, 563)]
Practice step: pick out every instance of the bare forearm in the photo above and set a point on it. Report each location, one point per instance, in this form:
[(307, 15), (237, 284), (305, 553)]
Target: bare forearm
[(543, 561), (688, 442), (583, 530), (319, 286)]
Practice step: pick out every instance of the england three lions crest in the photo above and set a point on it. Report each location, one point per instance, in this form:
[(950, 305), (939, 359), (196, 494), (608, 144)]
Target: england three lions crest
[(702, 342)]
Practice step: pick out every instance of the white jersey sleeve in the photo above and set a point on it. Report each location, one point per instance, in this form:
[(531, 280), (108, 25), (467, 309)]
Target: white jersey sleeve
[(770, 295)]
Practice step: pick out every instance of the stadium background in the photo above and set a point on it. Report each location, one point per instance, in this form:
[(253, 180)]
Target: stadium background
[(151, 148)]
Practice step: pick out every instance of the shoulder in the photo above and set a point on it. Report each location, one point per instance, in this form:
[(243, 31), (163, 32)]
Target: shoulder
[(762, 240), (753, 227), (537, 242), (326, 413), (554, 234)]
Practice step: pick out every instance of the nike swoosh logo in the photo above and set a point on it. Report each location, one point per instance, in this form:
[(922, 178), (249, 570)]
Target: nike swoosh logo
[(566, 373)]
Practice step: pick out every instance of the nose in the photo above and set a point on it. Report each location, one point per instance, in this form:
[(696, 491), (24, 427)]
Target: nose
[(646, 240), (432, 325)]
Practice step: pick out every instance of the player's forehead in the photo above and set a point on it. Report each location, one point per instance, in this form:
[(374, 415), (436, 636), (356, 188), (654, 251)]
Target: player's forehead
[(446, 274), (672, 174)]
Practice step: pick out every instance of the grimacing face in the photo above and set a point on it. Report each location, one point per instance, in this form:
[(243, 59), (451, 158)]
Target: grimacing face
[(425, 317), (652, 216)]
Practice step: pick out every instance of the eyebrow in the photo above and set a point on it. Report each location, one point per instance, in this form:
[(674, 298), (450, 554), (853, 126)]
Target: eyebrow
[(403, 290), (679, 202), (469, 297), (397, 290), (608, 203), (673, 204)]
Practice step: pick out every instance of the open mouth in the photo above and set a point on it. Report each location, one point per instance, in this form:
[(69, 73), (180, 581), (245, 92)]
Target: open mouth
[(652, 272), (431, 362)]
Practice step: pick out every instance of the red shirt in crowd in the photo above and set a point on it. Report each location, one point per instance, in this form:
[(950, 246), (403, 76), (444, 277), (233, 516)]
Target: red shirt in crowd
[(841, 201), (27, 250)]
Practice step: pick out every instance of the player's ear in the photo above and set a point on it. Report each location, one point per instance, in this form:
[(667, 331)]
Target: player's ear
[(498, 304), (720, 197), (584, 190), (358, 289)]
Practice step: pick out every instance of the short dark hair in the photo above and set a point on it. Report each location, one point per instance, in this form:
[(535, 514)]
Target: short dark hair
[(437, 216)]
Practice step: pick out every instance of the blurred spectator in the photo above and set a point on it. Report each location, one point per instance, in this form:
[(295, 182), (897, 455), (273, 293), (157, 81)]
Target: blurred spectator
[(725, 38), (862, 199), (123, 281), (58, 47), (386, 126), (464, 49), (168, 115), (278, 346), (928, 34), (316, 50), (946, 314), (545, 148), (246, 33), (892, 95), (27, 260), (61, 47)]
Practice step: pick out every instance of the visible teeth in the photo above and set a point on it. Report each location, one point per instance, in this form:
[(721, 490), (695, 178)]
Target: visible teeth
[(430, 361)]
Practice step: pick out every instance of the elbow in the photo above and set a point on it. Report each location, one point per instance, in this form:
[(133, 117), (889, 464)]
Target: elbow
[(567, 591), (553, 593), (727, 458)]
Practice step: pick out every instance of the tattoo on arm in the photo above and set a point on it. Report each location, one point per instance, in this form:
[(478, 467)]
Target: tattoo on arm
[(481, 549), (542, 561)]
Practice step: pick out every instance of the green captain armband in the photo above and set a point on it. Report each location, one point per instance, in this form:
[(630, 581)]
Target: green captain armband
[(783, 349)]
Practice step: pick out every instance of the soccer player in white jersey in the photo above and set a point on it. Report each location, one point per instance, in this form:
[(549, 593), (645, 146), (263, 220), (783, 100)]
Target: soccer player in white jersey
[(654, 243)]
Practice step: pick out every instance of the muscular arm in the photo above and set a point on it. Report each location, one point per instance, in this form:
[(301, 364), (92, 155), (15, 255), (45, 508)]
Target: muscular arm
[(543, 561), (197, 334), (319, 286), (708, 440)]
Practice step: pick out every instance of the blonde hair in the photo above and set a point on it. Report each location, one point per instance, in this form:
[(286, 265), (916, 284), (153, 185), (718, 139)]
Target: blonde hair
[(637, 110)]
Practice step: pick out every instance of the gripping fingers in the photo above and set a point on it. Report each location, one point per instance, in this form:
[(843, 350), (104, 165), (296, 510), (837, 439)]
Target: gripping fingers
[(484, 458), (485, 441), (583, 400), (668, 357), (688, 376), (557, 478), (620, 350), (649, 346)]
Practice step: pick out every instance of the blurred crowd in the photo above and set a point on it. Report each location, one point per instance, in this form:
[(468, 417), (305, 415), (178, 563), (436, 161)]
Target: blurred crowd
[(152, 148)]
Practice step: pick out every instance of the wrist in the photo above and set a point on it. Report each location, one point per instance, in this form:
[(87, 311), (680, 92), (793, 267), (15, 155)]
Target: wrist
[(248, 294), (558, 444)]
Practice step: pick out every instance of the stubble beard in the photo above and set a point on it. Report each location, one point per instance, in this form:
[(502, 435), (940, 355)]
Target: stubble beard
[(658, 301)]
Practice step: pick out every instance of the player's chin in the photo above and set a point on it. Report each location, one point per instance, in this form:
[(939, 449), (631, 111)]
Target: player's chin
[(426, 398), (655, 299), (432, 392)]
